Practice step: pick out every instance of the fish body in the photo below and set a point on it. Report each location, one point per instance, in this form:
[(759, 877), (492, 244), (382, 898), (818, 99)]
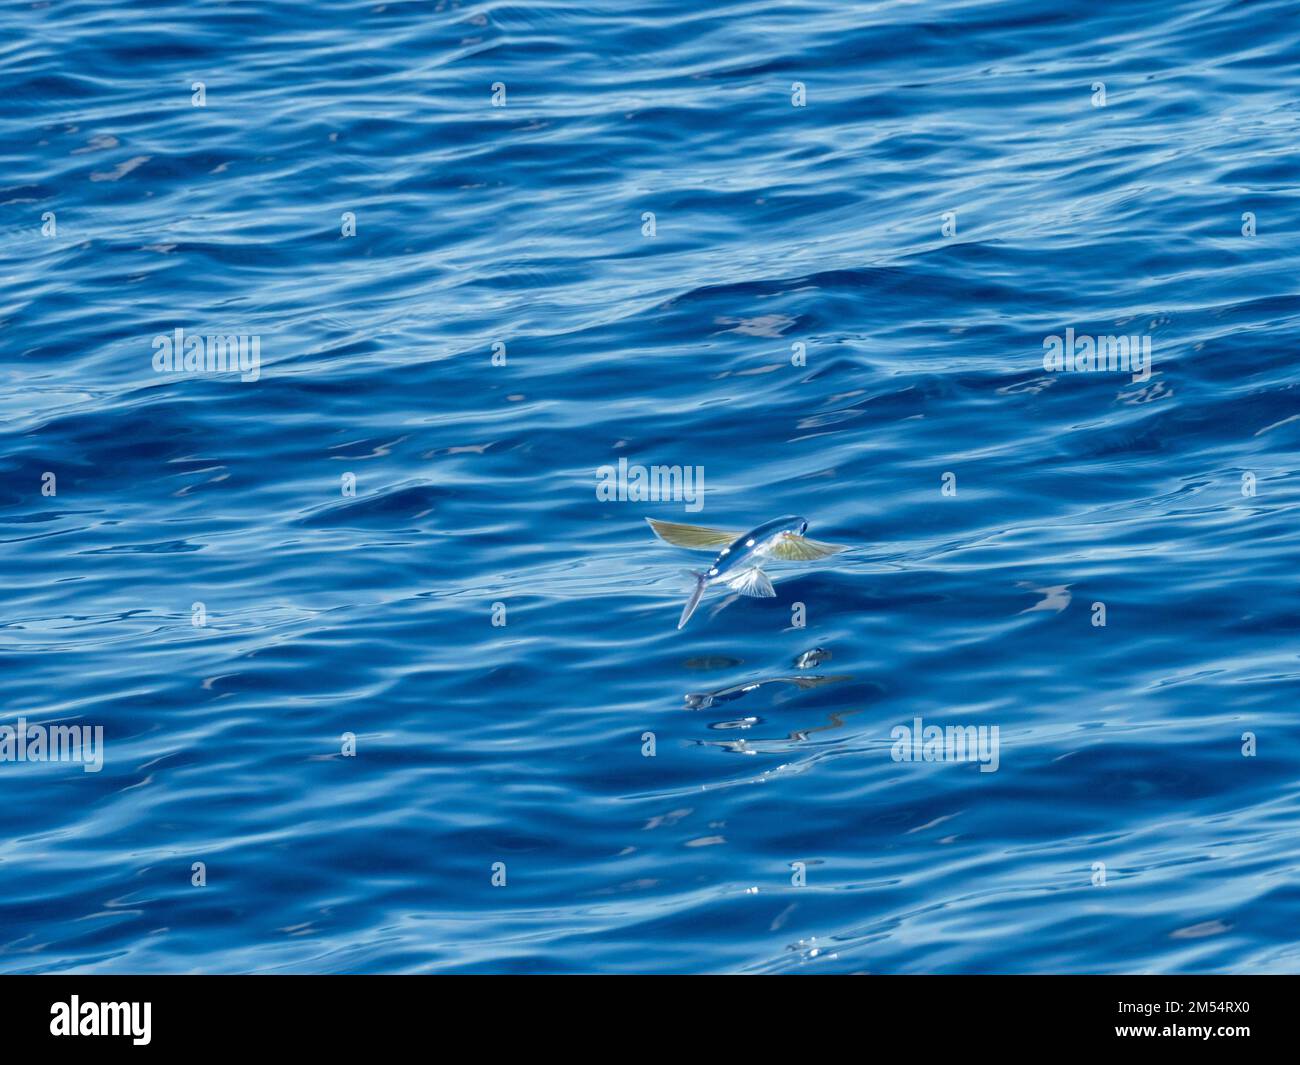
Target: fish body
[(739, 564), (754, 547)]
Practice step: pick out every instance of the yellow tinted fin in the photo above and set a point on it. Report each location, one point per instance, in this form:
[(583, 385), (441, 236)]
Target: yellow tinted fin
[(693, 536), (800, 549)]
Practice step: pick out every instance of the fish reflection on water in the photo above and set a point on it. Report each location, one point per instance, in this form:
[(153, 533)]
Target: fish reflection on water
[(834, 720), (799, 683), (704, 700)]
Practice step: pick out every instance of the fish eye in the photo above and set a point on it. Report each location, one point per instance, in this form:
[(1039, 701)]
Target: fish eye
[(803, 527)]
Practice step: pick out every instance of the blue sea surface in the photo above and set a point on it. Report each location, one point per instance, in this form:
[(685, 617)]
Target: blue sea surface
[(812, 252)]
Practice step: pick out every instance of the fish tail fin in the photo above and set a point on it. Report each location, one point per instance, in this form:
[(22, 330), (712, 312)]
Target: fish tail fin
[(701, 582)]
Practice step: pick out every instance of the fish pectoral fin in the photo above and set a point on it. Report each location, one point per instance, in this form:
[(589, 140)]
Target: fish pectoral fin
[(693, 536), (800, 549), (752, 582)]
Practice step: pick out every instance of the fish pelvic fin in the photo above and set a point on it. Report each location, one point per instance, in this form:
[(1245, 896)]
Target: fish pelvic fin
[(752, 582), (701, 582)]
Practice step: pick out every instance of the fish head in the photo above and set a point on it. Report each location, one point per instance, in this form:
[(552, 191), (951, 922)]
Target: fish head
[(791, 525)]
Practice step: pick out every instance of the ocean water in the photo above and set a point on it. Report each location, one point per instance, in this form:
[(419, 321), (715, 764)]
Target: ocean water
[(813, 253)]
